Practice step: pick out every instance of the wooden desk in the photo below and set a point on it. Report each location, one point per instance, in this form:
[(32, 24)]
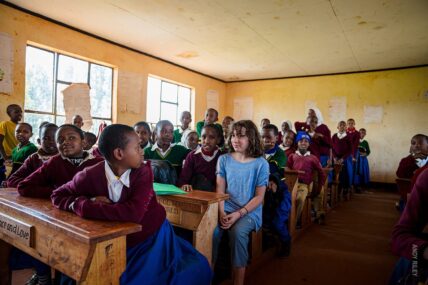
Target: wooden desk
[(91, 252), (291, 177), (196, 211)]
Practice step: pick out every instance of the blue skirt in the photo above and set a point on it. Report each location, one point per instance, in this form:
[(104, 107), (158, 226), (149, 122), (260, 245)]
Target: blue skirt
[(362, 175), (165, 258), (347, 173)]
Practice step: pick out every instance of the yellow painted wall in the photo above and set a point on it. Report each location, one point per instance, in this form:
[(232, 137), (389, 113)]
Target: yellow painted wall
[(24, 27), (401, 93)]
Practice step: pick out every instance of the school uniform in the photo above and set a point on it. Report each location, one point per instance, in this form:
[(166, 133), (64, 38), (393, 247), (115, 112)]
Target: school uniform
[(54, 173), (354, 136), (276, 206), (362, 175), (175, 155), (307, 163), (178, 133), (19, 154), (320, 146), (342, 149), (200, 125), (408, 166), (7, 129), (154, 255), (31, 164), (199, 170)]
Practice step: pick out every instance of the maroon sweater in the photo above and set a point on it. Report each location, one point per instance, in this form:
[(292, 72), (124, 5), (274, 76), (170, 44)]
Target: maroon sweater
[(308, 164), (320, 145), (408, 231), (407, 167), (342, 148), (137, 204), (54, 173), (195, 164), (354, 137), (31, 164)]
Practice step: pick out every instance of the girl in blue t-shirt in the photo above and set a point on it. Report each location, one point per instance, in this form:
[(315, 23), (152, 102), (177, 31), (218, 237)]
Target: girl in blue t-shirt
[(243, 173)]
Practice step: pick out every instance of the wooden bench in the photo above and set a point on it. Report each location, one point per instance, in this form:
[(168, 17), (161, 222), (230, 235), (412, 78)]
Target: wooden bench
[(91, 252), (196, 211), (334, 197), (291, 178)]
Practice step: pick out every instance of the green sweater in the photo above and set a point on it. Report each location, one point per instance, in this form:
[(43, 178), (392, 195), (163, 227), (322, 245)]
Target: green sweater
[(278, 158), (200, 126), (364, 147), (175, 155), (177, 135)]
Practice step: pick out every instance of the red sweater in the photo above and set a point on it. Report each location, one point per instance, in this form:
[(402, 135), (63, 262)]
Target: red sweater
[(354, 137), (408, 231), (407, 167), (54, 173), (31, 164), (137, 204), (308, 164), (320, 145), (342, 148)]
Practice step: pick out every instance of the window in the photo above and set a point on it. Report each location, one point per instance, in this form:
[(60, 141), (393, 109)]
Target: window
[(47, 73), (166, 101)]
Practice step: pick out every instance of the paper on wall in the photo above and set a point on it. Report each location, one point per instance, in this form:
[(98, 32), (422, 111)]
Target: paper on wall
[(6, 63), (337, 109), (310, 105), (130, 91), (77, 102), (373, 114), (212, 99), (243, 108)]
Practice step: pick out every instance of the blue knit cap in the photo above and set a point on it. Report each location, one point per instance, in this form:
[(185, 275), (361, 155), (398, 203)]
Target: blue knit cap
[(303, 135)]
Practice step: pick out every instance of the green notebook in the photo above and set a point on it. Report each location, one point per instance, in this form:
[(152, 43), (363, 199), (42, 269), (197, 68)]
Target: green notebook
[(167, 189)]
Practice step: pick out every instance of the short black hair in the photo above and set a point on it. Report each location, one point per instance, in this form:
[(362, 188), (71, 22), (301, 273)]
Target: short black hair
[(214, 110), (113, 137), (271, 127), (76, 129), (11, 107), (216, 130), (45, 125), (162, 123), (422, 136), (90, 138), (143, 124), (26, 124)]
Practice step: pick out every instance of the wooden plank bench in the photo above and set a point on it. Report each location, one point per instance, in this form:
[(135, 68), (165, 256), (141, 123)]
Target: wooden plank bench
[(291, 178), (337, 168), (196, 211), (89, 251)]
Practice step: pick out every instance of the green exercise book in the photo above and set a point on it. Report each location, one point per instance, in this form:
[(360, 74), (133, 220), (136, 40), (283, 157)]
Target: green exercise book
[(167, 189)]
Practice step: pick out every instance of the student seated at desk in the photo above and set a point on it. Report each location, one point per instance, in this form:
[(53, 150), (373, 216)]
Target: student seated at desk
[(185, 120), (288, 143), (60, 168), (142, 129), (303, 160), (243, 173), (25, 148), (277, 202), (47, 149), (200, 164), (164, 149), (121, 189), (417, 158)]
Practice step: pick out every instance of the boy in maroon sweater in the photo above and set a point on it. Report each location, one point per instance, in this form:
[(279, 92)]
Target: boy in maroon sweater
[(303, 160), (354, 137), (121, 189), (200, 165), (60, 168), (342, 154), (48, 149), (417, 158)]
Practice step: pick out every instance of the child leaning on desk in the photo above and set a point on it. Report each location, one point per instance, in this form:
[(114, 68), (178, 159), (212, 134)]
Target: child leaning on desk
[(121, 189)]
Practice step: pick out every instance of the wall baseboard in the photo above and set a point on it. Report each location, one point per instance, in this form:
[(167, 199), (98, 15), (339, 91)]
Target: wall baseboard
[(390, 187)]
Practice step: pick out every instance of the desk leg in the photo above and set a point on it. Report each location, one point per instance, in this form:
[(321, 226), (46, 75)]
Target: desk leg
[(5, 273), (203, 236), (108, 263)]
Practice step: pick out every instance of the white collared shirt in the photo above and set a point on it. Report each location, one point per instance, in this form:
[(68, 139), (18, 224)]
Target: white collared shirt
[(160, 151), (207, 158), (341, 135), (306, 153), (421, 162), (181, 131), (115, 184)]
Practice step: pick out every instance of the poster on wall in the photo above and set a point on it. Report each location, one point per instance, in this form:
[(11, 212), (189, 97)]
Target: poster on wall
[(373, 114), (130, 91), (212, 99), (337, 109), (77, 102), (243, 108), (6, 64)]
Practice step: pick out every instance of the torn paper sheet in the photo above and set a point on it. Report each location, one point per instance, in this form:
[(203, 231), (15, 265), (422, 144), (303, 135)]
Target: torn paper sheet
[(373, 114), (337, 109), (77, 102), (243, 108), (6, 64), (130, 92)]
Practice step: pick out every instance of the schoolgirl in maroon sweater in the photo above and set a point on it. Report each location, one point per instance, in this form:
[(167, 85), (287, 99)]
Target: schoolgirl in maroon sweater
[(417, 158), (121, 189), (342, 154)]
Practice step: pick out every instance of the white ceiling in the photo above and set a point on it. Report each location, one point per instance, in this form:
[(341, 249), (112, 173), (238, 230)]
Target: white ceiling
[(240, 40)]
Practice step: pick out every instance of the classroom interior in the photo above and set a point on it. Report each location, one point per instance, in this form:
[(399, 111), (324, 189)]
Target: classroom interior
[(367, 60)]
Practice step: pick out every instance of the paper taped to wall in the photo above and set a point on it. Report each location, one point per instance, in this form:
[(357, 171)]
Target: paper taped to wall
[(6, 63), (212, 99), (77, 102), (243, 108), (337, 109), (130, 91), (373, 114), (310, 105)]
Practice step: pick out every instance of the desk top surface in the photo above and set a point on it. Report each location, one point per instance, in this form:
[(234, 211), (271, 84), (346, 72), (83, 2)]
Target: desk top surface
[(42, 211), (198, 197)]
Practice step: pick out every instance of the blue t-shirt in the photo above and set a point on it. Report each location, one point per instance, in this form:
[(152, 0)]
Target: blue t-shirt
[(242, 178)]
